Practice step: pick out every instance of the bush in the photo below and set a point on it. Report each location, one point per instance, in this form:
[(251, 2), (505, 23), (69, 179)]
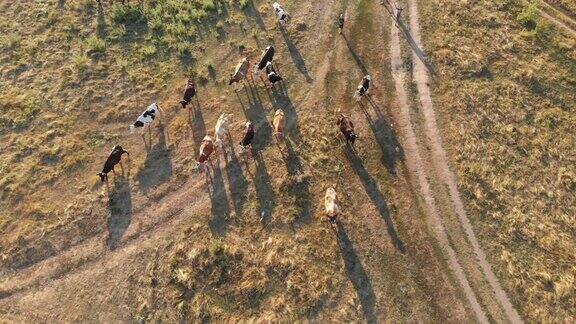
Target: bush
[(126, 15), (527, 17), (147, 50), (95, 45), (208, 5), (244, 4)]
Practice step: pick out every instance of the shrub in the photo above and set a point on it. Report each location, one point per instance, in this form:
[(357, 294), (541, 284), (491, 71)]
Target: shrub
[(147, 50), (244, 4), (126, 15), (95, 45), (527, 17), (208, 5)]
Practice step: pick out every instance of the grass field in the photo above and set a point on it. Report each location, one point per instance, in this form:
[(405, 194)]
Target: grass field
[(507, 93), (158, 244)]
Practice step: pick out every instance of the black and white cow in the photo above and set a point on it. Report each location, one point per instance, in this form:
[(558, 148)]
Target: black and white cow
[(363, 87), (273, 76), (114, 158), (146, 118), (248, 136), (267, 56), (281, 14)]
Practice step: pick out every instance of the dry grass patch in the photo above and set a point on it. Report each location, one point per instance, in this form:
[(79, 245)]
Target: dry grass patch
[(507, 93)]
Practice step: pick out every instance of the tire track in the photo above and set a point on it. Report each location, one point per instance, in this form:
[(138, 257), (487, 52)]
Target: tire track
[(556, 16), (415, 166), (441, 165)]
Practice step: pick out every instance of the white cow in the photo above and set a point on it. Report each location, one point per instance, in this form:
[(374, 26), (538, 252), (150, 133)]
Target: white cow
[(146, 118), (281, 14), (221, 128), (331, 204)]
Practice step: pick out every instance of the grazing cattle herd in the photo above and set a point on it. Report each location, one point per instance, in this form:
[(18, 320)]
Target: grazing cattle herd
[(222, 127)]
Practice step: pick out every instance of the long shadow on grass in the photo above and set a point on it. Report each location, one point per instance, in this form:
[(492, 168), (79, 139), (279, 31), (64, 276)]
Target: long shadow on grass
[(281, 99), (264, 190), (296, 56), (251, 11), (197, 124), (355, 56), (120, 208), (158, 164), (256, 113), (419, 52), (236, 180), (357, 275), (392, 151), (375, 195), (102, 29), (299, 187), (220, 205)]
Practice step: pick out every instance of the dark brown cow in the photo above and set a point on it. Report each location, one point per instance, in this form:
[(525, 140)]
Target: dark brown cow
[(189, 93), (114, 158), (347, 129), (248, 136)]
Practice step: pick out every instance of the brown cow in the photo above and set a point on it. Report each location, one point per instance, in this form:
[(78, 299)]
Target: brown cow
[(189, 93), (347, 129), (279, 124), (206, 149), (241, 72)]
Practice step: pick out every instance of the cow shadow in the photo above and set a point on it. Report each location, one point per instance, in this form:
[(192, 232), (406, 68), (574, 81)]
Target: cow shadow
[(220, 211), (417, 50), (256, 113), (357, 275), (264, 191), (250, 10), (355, 56), (392, 151), (376, 197), (158, 165), (102, 29), (296, 56), (197, 124), (120, 210), (236, 180), (300, 188)]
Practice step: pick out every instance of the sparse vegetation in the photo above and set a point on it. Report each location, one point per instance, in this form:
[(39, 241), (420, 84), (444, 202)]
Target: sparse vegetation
[(251, 243), (509, 138)]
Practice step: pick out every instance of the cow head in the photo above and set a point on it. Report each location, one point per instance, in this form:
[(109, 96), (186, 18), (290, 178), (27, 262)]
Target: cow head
[(351, 137), (103, 176)]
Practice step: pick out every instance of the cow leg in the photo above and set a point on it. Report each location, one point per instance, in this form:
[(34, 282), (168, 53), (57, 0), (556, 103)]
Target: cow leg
[(264, 82), (276, 69), (150, 134)]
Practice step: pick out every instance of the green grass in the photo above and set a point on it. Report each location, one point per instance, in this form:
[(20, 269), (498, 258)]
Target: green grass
[(95, 45)]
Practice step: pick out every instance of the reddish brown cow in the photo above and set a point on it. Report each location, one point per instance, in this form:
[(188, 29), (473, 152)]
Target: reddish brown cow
[(206, 149), (347, 129)]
